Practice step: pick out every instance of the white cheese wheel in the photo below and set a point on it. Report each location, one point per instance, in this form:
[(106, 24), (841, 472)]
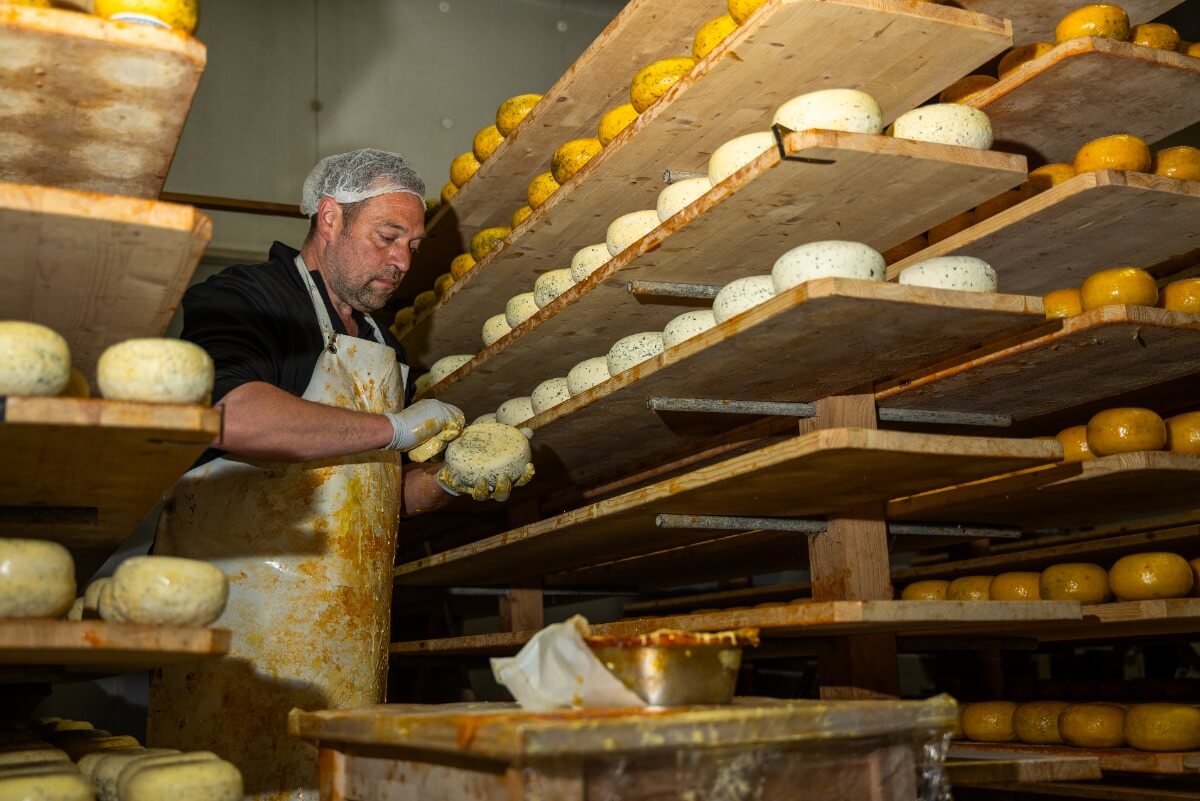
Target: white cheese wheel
[(495, 328), (520, 308), (737, 153), (829, 259), (490, 417), (587, 374), (32, 755), (107, 770), (629, 228), (549, 394), (550, 285), (487, 451), (166, 590), (688, 325), (211, 780), (155, 370), (45, 784), (36, 359), (423, 383), (91, 597), (946, 123), (88, 763), (741, 295), (634, 349), (964, 273), (37, 579), (447, 365), (832, 110), (681, 194), (76, 610), (150, 762), (515, 411), (587, 260)]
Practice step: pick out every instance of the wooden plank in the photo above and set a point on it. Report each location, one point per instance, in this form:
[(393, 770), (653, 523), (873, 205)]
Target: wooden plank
[(1123, 760), (91, 104), (1021, 770), (85, 472), (98, 269), (1136, 347), (1034, 20), (1130, 619), (1093, 221), (1110, 791), (1108, 86)]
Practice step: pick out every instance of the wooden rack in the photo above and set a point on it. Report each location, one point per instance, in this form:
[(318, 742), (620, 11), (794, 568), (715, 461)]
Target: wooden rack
[(1007, 770), (1120, 760), (1034, 20)]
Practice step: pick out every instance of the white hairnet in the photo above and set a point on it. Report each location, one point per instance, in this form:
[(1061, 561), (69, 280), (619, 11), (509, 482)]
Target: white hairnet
[(358, 175)]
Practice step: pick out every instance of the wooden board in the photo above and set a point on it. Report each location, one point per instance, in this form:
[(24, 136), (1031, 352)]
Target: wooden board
[(1034, 20), (812, 474), (1092, 222), (60, 649), (90, 104), (1100, 354), (1087, 88), (96, 268), (1122, 760), (1021, 770), (1127, 790), (1130, 619), (85, 472)]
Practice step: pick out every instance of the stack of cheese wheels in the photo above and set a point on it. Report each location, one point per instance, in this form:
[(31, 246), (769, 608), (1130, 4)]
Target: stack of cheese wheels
[(964, 273), (629, 228), (589, 259), (679, 195), (688, 325), (37, 579), (164, 590), (947, 124), (37, 361), (587, 374), (549, 394), (155, 370), (447, 365), (829, 259), (488, 451), (515, 411), (833, 110), (737, 153), (742, 295)]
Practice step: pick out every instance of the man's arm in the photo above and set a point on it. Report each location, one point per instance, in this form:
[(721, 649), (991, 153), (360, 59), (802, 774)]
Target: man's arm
[(422, 493)]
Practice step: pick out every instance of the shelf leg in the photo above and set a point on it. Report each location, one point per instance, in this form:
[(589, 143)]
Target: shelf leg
[(522, 608)]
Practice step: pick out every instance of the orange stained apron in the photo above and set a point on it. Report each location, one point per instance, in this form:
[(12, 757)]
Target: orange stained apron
[(308, 549)]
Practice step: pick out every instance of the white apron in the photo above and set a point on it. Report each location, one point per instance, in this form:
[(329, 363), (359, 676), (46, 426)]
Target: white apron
[(308, 549)]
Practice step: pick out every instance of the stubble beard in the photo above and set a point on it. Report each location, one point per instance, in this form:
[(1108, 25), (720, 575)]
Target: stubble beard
[(361, 297)]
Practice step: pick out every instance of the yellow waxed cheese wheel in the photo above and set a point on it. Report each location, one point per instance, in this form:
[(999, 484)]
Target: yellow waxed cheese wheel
[(1075, 581), (520, 215), (165, 590), (1015, 586), (587, 374), (711, 34), (832, 110), (404, 318), (1022, 55), (961, 273), (1181, 163), (462, 168), (1125, 430), (1074, 444), (37, 579), (589, 259), (548, 394), (550, 285), (679, 195), (1120, 286), (1163, 727), (512, 111), (1116, 152), (1049, 176), (461, 264), (988, 722), (1036, 723), (652, 81), (45, 784), (930, 590), (740, 10), (1062, 303), (1092, 725), (77, 385), (448, 192), (688, 325), (1155, 34), (447, 365), (1150, 577), (442, 284), (1105, 21), (540, 189), (829, 259), (514, 411), (952, 226), (37, 360), (629, 228), (965, 88), (487, 240), (155, 370), (424, 301), (485, 142), (628, 352), (1181, 296), (741, 295), (614, 121), (1193, 50), (520, 308), (570, 157), (969, 588), (180, 15), (909, 247), (947, 124), (737, 153), (495, 328), (1183, 433)]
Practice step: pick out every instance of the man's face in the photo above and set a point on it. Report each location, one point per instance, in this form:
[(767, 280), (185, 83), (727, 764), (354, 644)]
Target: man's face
[(367, 258)]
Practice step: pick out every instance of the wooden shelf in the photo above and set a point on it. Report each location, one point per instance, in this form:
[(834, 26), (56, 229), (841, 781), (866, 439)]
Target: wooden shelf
[(1118, 760), (788, 48), (84, 472), (739, 228), (98, 269), (1129, 789), (1129, 619), (813, 474), (91, 104), (1007, 770), (1067, 363), (1087, 88), (1053, 239), (41, 650), (1034, 20)]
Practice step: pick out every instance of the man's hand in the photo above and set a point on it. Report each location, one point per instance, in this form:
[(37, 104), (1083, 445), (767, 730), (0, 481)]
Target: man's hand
[(423, 421), (480, 490), (422, 493)]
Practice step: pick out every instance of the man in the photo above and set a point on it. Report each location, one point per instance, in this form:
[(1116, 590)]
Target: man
[(299, 503)]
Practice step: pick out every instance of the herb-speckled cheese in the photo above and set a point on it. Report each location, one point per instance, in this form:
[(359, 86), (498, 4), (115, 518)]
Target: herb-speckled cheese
[(36, 359), (520, 308), (634, 349), (549, 394), (204, 780), (681, 194), (488, 451), (490, 417), (832, 110), (550, 285), (515, 411), (155, 370), (494, 328), (946, 123), (629, 228), (964, 273), (447, 365), (587, 260), (737, 153), (165, 590), (741, 295), (828, 259), (587, 374), (59, 782), (688, 325), (37, 579)]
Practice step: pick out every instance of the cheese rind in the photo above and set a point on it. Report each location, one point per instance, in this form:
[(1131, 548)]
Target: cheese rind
[(828, 259), (634, 349), (964, 273), (550, 285), (37, 579), (587, 260), (211, 780), (679, 195), (742, 295), (688, 325), (520, 308), (107, 769), (587, 374), (155, 370), (515, 411), (549, 394), (447, 365), (495, 328), (37, 360), (832, 110), (737, 153), (629, 228), (488, 451), (165, 590), (91, 597), (947, 124), (49, 785), (150, 762), (490, 417)]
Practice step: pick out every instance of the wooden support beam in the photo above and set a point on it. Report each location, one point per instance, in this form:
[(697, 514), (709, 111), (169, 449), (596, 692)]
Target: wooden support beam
[(522, 608)]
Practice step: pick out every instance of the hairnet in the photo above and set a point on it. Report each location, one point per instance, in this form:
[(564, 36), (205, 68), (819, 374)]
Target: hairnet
[(358, 175)]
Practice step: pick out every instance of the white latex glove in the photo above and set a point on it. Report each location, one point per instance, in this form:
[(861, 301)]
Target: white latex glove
[(422, 421)]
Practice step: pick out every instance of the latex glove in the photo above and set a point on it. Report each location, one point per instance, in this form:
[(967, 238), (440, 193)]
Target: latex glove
[(436, 444), (480, 490), (422, 421)]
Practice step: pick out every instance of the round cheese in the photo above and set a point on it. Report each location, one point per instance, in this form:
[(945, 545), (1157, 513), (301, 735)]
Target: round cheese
[(969, 588), (1015, 586), (79, 747), (1150, 577), (1062, 303), (679, 195), (1125, 430), (688, 325), (632, 350), (91, 597), (165, 590), (107, 769), (964, 273), (88, 762), (447, 365), (76, 610), (629, 228), (37, 579), (1116, 152), (155, 370), (1183, 433), (1163, 727), (929, 590), (515, 411), (550, 285), (494, 328), (77, 385), (1103, 20), (964, 89), (205, 780), (37, 360), (1074, 444), (737, 153), (423, 383), (832, 110), (424, 301), (587, 374), (1092, 725), (947, 124), (32, 754), (520, 308), (833, 258), (587, 260), (487, 451), (1075, 581), (549, 394), (490, 417), (741, 295), (149, 762), (45, 784), (1036, 723), (1119, 286), (989, 722), (1181, 296)]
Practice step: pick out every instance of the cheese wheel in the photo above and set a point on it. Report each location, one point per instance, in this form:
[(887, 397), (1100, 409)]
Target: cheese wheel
[(520, 308), (76, 610), (1074, 444), (487, 240), (652, 81), (107, 769), (550, 285), (490, 417), (634, 349), (519, 216), (989, 722), (964, 273), (155, 370), (965, 88), (37, 579), (1163, 727), (930, 590), (1157, 35), (688, 325), (33, 755), (1022, 55), (969, 588), (460, 265), (1150, 577), (88, 762), (1036, 723), (487, 451), (737, 153), (1062, 303), (442, 284), (1181, 296), (423, 383), (629, 228), (510, 113), (615, 120), (1183, 433), (1181, 163), (1115, 152), (1092, 725), (494, 328), (711, 34), (742, 295), (1075, 581), (549, 394), (50, 784), (1119, 286), (78, 748), (1049, 176), (587, 374), (424, 301), (832, 110), (828, 259), (404, 318), (587, 260), (1125, 430), (166, 590), (515, 411), (212, 780), (77, 385), (1103, 20), (679, 195), (1015, 586), (37, 360), (447, 365), (947, 124), (148, 762)]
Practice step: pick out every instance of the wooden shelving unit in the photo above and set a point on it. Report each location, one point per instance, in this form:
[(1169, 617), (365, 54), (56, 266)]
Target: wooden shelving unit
[(1034, 20), (1008, 770), (1119, 760)]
